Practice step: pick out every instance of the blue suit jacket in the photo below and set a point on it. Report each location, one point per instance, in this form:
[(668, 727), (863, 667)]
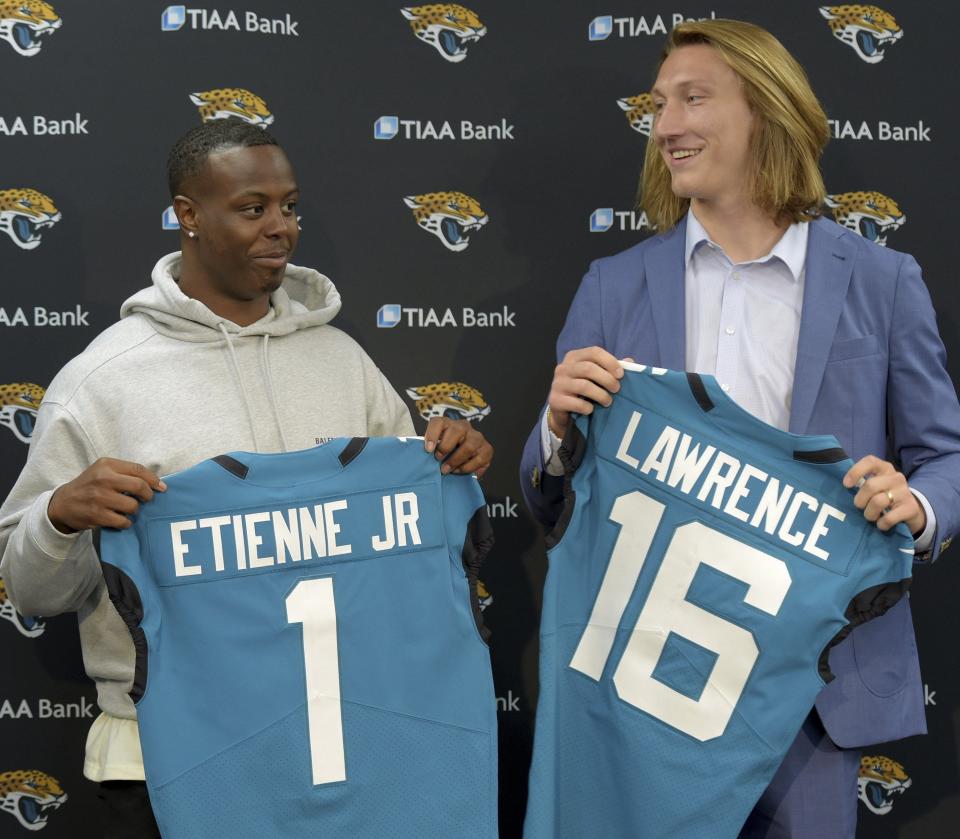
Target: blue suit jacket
[(870, 370)]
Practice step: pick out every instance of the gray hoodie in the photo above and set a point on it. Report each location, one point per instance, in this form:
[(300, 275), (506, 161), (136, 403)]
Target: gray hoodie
[(167, 386)]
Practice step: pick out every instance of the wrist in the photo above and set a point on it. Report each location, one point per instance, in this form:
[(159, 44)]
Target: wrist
[(556, 428)]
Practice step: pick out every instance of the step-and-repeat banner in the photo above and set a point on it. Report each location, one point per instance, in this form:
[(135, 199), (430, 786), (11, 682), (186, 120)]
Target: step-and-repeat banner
[(459, 169)]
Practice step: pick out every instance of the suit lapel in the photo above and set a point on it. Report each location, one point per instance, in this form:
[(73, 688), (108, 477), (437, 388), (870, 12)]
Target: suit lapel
[(829, 266), (664, 269)]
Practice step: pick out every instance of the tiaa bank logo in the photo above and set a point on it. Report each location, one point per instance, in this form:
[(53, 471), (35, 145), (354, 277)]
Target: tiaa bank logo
[(454, 400), (639, 111), (19, 403), (879, 780), (871, 214), (24, 24), (29, 627), (232, 103), (603, 219), (175, 18), (30, 796), (24, 213), (449, 216), (867, 30), (447, 27)]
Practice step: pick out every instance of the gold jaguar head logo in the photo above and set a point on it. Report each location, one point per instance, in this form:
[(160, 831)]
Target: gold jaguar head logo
[(448, 27), (19, 403), (449, 216), (30, 796), (24, 213), (867, 30), (880, 779), (232, 102), (871, 214), (449, 399), (29, 627), (25, 23), (639, 112)]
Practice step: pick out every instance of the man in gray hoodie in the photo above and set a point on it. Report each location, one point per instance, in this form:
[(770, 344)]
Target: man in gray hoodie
[(230, 349)]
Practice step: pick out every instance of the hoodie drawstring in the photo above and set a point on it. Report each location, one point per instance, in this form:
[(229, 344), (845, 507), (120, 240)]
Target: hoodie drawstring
[(265, 361), (243, 387)]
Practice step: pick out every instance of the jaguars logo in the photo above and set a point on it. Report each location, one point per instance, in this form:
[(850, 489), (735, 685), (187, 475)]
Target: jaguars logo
[(639, 112), (447, 27), (868, 30), (30, 796), (483, 595), (879, 780), (24, 23), (19, 404), (871, 214), (449, 399), (30, 627), (449, 216), (24, 213), (232, 102)]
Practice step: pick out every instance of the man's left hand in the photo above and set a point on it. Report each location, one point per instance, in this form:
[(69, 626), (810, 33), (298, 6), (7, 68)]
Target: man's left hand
[(462, 449), (885, 496)]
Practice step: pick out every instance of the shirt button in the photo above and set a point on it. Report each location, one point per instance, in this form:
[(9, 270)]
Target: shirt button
[(725, 388), (729, 330)]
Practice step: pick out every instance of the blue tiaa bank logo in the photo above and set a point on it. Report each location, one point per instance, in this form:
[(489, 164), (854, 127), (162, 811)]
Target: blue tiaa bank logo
[(173, 18), (30, 796), (26, 626), (25, 23), (169, 220), (386, 128), (447, 27), (600, 28), (867, 30)]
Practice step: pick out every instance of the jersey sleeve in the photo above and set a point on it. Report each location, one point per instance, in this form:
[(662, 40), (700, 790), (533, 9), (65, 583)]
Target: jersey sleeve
[(131, 591)]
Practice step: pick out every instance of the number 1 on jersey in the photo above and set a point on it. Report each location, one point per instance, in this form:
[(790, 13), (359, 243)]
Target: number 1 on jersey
[(311, 604), (667, 610)]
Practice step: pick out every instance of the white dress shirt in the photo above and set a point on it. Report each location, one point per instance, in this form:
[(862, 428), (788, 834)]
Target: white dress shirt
[(742, 326)]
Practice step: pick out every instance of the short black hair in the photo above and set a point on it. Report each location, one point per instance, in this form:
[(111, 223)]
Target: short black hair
[(191, 151)]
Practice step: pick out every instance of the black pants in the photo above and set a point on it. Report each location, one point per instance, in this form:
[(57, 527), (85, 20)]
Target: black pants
[(126, 812)]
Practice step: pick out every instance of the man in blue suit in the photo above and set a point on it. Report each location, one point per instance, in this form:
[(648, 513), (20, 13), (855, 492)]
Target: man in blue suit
[(806, 325)]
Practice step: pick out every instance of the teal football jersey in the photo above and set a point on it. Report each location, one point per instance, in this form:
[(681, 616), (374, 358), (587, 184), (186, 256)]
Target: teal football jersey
[(310, 658), (702, 567)]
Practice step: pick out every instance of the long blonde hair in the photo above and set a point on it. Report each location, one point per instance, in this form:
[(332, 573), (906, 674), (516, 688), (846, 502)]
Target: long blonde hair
[(787, 141)]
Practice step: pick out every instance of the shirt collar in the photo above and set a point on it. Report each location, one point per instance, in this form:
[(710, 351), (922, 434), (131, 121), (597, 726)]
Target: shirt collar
[(791, 249)]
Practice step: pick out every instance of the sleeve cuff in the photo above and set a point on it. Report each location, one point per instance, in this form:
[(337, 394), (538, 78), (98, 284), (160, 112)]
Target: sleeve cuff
[(550, 446), (47, 538), (923, 542)]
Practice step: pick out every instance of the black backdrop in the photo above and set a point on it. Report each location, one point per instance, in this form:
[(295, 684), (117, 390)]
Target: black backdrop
[(556, 181)]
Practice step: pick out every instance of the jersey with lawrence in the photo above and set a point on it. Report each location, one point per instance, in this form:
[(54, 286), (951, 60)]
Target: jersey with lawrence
[(310, 659), (702, 567)]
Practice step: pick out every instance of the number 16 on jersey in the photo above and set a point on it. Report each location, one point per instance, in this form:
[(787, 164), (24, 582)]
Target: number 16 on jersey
[(667, 610)]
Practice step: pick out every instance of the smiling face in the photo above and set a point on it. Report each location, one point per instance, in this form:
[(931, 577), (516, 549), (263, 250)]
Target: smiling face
[(242, 208), (703, 126)]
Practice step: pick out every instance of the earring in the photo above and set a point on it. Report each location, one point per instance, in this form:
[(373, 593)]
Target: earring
[(191, 234)]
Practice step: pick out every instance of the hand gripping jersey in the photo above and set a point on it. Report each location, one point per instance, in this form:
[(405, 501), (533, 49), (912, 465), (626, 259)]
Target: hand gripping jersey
[(705, 563), (309, 661)]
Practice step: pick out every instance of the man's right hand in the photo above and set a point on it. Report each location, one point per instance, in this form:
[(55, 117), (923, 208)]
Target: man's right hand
[(103, 495), (584, 377)]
